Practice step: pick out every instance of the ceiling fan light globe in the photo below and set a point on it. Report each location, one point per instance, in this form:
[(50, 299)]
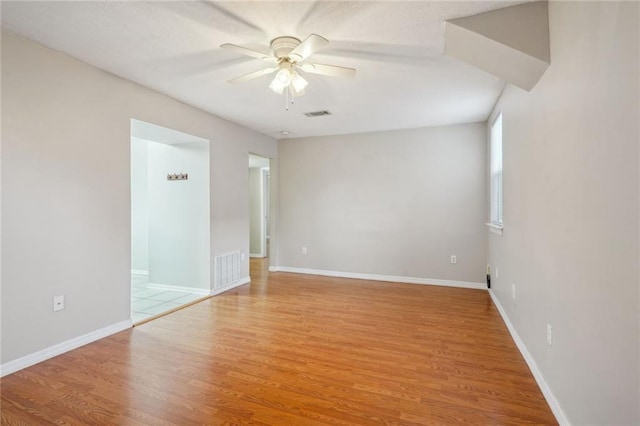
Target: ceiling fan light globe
[(277, 86), (284, 77), (299, 83), (294, 92)]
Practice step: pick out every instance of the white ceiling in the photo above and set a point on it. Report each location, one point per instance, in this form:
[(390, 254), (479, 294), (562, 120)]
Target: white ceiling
[(403, 80)]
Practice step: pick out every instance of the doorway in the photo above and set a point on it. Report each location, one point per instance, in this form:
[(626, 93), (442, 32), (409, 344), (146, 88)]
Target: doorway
[(170, 238), (259, 178)]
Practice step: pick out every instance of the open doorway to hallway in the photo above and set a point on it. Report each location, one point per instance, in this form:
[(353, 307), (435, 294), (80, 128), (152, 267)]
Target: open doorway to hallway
[(170, 238), (259, 181)]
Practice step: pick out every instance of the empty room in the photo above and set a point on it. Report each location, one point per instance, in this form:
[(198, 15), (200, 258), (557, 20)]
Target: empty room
[(320, 212)]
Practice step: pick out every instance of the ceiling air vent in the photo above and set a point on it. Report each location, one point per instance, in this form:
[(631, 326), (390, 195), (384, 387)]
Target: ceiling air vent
[(317, 113)]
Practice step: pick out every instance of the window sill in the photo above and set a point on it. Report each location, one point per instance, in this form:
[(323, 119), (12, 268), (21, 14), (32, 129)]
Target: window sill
[(496, 229)]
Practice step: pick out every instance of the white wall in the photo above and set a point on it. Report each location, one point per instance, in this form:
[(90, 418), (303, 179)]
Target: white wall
[(570, 240), (139, 206), (179, 215), (388, 203), (66, 191)]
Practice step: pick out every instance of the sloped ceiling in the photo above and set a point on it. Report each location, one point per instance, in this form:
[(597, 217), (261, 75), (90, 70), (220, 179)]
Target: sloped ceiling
[(403, 79), (511, 43)]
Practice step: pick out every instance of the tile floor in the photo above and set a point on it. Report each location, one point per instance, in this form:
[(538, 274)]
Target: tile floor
[(147, 302)]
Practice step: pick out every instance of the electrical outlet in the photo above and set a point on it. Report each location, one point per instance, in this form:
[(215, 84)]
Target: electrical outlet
[(549, 335), (304, 250), (454, 259), (513, 291), (497, 272), (58, 303), (242, 257)]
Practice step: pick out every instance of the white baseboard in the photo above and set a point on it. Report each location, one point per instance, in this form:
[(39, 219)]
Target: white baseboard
[(376, 277), (553, 402), (258, 255), (60, 348), (167, 287), (241, 281), (139, 272)]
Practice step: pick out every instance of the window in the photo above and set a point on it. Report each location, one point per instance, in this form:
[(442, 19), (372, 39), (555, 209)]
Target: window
[(496, 171)]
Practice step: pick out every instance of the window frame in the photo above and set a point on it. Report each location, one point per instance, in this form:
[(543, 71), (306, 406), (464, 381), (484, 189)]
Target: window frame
[(496, 175)]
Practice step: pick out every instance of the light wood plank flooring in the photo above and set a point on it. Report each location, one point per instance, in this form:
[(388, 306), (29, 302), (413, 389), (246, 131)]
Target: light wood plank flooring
[(294, 350)]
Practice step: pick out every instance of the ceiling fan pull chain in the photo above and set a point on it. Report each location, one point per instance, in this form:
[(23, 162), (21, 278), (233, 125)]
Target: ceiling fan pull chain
[(286, 99)]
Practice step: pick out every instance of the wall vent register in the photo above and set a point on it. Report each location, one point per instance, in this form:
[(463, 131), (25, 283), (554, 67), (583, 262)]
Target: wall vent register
[(226, 269), (317, 113)]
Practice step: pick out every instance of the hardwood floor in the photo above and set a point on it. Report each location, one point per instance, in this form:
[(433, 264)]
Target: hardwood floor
[(294, 350)]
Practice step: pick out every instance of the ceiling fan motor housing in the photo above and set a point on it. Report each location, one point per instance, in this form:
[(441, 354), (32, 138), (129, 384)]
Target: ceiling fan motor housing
[(282, 46)]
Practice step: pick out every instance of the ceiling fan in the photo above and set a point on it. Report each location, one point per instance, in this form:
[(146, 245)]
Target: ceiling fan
[(288, 56)]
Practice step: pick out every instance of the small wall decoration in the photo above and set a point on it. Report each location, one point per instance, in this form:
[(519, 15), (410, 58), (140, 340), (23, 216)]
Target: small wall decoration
[(178, 176)]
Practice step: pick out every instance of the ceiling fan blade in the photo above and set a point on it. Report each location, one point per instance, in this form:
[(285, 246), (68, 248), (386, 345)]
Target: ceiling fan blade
[(249, 52), (377, 52), (253, 75), (331, 70), (308, 47)]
